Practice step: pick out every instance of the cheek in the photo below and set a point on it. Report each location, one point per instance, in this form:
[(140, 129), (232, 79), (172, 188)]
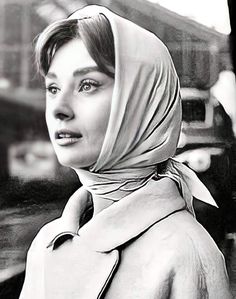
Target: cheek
[(97, 125), (102, 118)]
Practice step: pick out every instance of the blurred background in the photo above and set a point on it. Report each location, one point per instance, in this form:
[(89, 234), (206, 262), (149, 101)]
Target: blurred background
[(34, 187)]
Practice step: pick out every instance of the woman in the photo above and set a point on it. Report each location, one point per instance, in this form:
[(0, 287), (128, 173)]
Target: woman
[(113, 114)]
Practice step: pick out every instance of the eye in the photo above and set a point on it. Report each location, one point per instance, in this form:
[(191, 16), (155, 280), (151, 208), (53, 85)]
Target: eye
[(52, 89), (88, 86)]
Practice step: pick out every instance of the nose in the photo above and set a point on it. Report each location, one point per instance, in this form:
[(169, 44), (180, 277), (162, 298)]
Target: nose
[(62, 116), (63, 109)]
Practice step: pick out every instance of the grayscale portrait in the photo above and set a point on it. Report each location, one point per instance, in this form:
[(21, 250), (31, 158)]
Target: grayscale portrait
[(117, 149)]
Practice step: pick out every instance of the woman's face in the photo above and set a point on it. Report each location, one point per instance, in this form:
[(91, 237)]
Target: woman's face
[(78, 101)]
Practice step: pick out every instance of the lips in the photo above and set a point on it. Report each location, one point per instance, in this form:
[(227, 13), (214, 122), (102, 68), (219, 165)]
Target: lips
[(67, 137)]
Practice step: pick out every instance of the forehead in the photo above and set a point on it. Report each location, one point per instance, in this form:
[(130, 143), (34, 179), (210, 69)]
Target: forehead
[(71, 56)]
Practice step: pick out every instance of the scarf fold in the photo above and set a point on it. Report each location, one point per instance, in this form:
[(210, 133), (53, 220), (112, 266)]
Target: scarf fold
[(145, 119)]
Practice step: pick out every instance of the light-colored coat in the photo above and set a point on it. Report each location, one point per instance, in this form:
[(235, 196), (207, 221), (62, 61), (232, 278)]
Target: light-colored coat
[(139, 249)]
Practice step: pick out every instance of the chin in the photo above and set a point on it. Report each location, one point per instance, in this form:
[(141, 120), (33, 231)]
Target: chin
[(73, 163), (75, 158), (64, 162)]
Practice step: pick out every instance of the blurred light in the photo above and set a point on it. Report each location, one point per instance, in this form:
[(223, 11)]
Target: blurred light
[(211, 13), (32, 159), (224, 91), (4, 83), (199, 160)]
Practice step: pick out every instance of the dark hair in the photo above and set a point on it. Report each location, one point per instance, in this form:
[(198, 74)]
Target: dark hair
[(94, 31)]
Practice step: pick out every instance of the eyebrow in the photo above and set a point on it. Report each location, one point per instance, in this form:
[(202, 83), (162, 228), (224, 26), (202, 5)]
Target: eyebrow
[(78, 72)]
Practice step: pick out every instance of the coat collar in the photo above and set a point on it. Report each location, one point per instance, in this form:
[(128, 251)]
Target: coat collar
[(123, 220)]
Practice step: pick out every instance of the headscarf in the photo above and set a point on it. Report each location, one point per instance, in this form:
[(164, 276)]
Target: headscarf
[(145, 118)]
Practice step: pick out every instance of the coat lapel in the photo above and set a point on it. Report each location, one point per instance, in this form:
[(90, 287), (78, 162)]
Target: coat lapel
[(131, 216), (81, 261), (72, 269), (75, 271)]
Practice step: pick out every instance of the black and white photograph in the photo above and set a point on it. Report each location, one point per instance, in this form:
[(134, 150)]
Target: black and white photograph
[(117, 149)]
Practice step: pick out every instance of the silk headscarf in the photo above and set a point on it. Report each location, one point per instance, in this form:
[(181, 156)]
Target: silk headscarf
[(145, 117)]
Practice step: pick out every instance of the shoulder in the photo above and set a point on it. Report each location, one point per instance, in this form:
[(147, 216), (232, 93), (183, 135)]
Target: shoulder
[(184, 239), (45, 235), (195, 259), (68, 222), (187, 255)]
